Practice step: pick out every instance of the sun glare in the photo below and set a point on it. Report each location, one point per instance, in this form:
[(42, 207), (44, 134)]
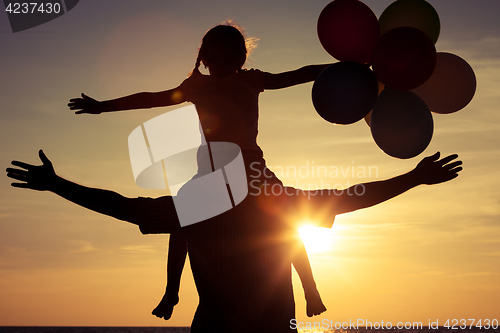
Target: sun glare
[(316, 239)]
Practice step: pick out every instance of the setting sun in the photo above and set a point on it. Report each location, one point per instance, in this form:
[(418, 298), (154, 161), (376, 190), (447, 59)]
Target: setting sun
[(316, 239)]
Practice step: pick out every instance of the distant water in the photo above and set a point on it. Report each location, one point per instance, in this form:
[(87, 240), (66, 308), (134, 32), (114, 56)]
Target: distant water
[(61, 329)]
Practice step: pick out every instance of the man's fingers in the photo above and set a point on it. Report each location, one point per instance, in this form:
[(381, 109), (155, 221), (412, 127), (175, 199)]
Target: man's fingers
[(20, 185), (22, 165), (453, 176), (17, 171), (44, 158), (447, 159), (456, 170), (17, 177), (452, 165), (434, 157)]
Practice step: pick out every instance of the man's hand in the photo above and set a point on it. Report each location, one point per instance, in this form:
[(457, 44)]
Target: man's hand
[(432, 170), (35, 177), (85, 104)]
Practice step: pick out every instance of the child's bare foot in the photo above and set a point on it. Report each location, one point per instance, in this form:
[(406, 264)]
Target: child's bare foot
[(165, 308), (315, 305)]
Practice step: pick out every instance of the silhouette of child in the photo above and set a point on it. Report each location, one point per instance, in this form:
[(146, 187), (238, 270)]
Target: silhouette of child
[(227, 105)]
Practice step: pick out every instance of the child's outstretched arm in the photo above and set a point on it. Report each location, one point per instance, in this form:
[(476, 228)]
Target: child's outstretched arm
[(292, 78), (143, 100), (431, 170)]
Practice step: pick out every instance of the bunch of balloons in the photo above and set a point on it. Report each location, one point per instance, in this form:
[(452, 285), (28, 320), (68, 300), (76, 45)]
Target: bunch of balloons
[(389, 73)]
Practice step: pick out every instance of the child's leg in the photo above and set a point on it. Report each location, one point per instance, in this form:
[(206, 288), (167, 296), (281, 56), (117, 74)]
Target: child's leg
[(301, 263), (177, 251)]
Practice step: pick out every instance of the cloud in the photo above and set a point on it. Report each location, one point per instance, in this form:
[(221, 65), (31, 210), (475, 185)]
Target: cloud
[(139, 249), (81, 246), (485, 48)]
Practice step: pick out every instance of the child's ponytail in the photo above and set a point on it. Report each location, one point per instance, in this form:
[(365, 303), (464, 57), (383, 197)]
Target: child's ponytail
[(196, 68), (198, 62)]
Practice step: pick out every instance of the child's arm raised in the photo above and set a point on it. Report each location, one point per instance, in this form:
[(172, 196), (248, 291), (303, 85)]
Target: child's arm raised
[(143, 100), (292, 78)]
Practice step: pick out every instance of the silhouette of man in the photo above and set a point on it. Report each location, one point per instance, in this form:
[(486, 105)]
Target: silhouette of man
[(241, 259)]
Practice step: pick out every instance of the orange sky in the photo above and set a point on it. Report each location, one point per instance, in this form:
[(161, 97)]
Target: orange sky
[(432, 253)]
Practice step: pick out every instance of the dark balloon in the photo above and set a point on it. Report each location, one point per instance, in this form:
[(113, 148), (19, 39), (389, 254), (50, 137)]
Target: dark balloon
[(401, 123), (348, 30), (411, 13), (345, 92), (404, 58)]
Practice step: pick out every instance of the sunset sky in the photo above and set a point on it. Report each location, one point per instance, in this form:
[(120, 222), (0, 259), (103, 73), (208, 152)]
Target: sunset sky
[(432, 253)]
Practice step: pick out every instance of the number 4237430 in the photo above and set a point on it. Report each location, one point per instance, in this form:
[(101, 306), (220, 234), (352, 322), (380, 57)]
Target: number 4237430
[(33, 7), (455, 324)]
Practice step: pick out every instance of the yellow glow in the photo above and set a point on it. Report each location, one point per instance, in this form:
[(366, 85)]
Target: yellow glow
[(177, 96), (316, 239)]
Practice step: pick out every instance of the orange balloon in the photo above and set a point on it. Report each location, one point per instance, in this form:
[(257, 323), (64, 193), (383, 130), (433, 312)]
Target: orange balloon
[(451, 87)]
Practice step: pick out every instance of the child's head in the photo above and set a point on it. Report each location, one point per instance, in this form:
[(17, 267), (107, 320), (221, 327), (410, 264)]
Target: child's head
[(224, 46)]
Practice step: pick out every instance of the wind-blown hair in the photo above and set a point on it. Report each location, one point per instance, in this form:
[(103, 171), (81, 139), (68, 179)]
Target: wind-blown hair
[(225, 45)]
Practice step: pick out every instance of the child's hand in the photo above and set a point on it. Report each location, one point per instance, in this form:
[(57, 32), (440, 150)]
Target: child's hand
[(431, 170), (85, 104)]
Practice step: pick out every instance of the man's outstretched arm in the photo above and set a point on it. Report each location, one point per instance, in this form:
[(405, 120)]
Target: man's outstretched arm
[(43, 178), (431, 170)]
